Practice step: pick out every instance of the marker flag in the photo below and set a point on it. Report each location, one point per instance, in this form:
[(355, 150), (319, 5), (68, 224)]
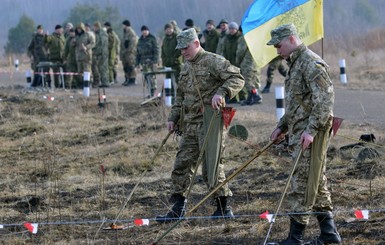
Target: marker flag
[(32, 227), (267, 216), (140, 222), (265, 15), (362, 214)]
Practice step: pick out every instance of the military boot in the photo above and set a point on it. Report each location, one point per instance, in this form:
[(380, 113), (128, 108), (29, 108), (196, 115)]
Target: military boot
[(329, 234), (255, 99), (266, 89), (177, 210), (248, 100), (131, 81), (296, 233), (223, 210)]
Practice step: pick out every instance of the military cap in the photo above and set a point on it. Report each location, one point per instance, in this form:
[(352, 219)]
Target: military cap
[(185, 38), (279, 33), (223, 21), (58, 27), (211, 22)]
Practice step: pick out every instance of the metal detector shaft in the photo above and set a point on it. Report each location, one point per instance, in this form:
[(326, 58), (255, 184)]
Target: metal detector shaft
[(235, 173), (283, 194)]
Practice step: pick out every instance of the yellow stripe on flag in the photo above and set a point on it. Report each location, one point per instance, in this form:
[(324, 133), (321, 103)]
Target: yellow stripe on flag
[(308, 19)]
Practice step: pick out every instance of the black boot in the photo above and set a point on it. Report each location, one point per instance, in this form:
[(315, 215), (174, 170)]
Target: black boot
[(255, 98), (131, 81), (177, 210), (248, 100), (223, 209), (329, 234), (266, 89), (296, 233)]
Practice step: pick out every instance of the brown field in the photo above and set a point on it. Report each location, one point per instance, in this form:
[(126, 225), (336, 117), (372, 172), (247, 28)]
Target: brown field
[(52, 151)]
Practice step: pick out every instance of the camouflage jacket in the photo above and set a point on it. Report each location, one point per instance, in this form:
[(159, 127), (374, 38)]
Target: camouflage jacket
[(113, 44), (221, 43), (214, 75), (69, 50), (212, 39), (309, 95), (129, 43), (243, 58), (87, 40), (55, 44), (170, 56), (230, 47), (37, 48), (101, 44), (147, 50)]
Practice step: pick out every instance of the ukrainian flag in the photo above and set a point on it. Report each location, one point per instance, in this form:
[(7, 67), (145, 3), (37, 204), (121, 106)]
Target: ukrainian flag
[(265, 15)]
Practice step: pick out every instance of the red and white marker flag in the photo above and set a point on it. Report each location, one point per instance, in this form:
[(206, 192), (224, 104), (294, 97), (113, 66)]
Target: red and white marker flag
[(362, 214), (32, 227), (140, 222), (267, 216)]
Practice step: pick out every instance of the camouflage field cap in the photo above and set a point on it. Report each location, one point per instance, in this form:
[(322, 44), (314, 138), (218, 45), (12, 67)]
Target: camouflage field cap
[(279, 33), (185, 38)]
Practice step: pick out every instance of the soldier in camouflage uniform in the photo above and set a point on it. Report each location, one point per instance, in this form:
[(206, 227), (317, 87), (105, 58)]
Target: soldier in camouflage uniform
[(147, 55), (215, 79), (274, 64), (70, 60), (113, 52), (100, 56), (249, 71), (210, 37), (307, 121), (37, 51), (171, 57), (55, 44), (128, 53), (224, 26), (84, 44)]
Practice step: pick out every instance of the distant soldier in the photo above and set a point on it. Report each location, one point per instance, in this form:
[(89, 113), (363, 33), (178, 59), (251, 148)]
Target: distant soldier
[(210, 38), (100, 56), (67, 29), (272, 66), (55, 44), (249, 71), (128, 53), (147, 56), (113, 52), (175, 26), (69, 59), (223, 25), (171, 57), (84, 44), (37, 52)]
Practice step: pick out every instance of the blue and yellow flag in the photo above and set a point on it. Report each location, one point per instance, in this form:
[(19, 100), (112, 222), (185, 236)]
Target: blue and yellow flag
[(265, 15)]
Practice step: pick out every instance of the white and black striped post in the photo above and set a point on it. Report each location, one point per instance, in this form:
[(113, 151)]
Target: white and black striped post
[(167, 91), (86, 83), (343, 78), (28, 76), (280, 101), (17, 64)]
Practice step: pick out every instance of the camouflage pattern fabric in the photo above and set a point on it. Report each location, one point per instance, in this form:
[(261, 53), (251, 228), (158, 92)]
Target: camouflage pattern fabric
[(128, 52), (100, 58), (69, 57), (55, 44), (84, 44), (212, 39), (230, 47), (171, 57), (246, 63), (37, 50), (215, 75), (309, 107), (273, 65), (147, 50)]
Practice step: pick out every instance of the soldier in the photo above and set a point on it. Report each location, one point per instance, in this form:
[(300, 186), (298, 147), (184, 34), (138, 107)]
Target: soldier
[(223, 25), (113, 52), (55, 44), (147, 55), (171, 57), (210, 37), (307, 121), (100, 56), (249, 71), (128, 53), (69, 59), (272, 66), (175, 26), (85, 41), (68, 27), (37, 52), (206, 79)]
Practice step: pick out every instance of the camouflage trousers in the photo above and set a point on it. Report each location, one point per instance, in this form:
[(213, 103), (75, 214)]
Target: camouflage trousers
[(73, 81), (83, 66), (186, 160), (128, 63), (100, 70), (149, 79), (276, 63), (296, 198)]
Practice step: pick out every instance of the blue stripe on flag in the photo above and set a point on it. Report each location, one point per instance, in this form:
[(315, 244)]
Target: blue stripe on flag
[(262, 11)]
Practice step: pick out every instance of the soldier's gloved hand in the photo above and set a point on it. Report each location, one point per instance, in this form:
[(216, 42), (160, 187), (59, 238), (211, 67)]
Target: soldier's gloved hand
[(217, 101), (306, 140), (277, 136), (170, 125)]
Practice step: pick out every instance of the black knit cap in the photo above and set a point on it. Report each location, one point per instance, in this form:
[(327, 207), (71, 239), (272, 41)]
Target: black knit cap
[(126, 23), (144, 28), (108, 24), (58, 27), (189, 23)]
